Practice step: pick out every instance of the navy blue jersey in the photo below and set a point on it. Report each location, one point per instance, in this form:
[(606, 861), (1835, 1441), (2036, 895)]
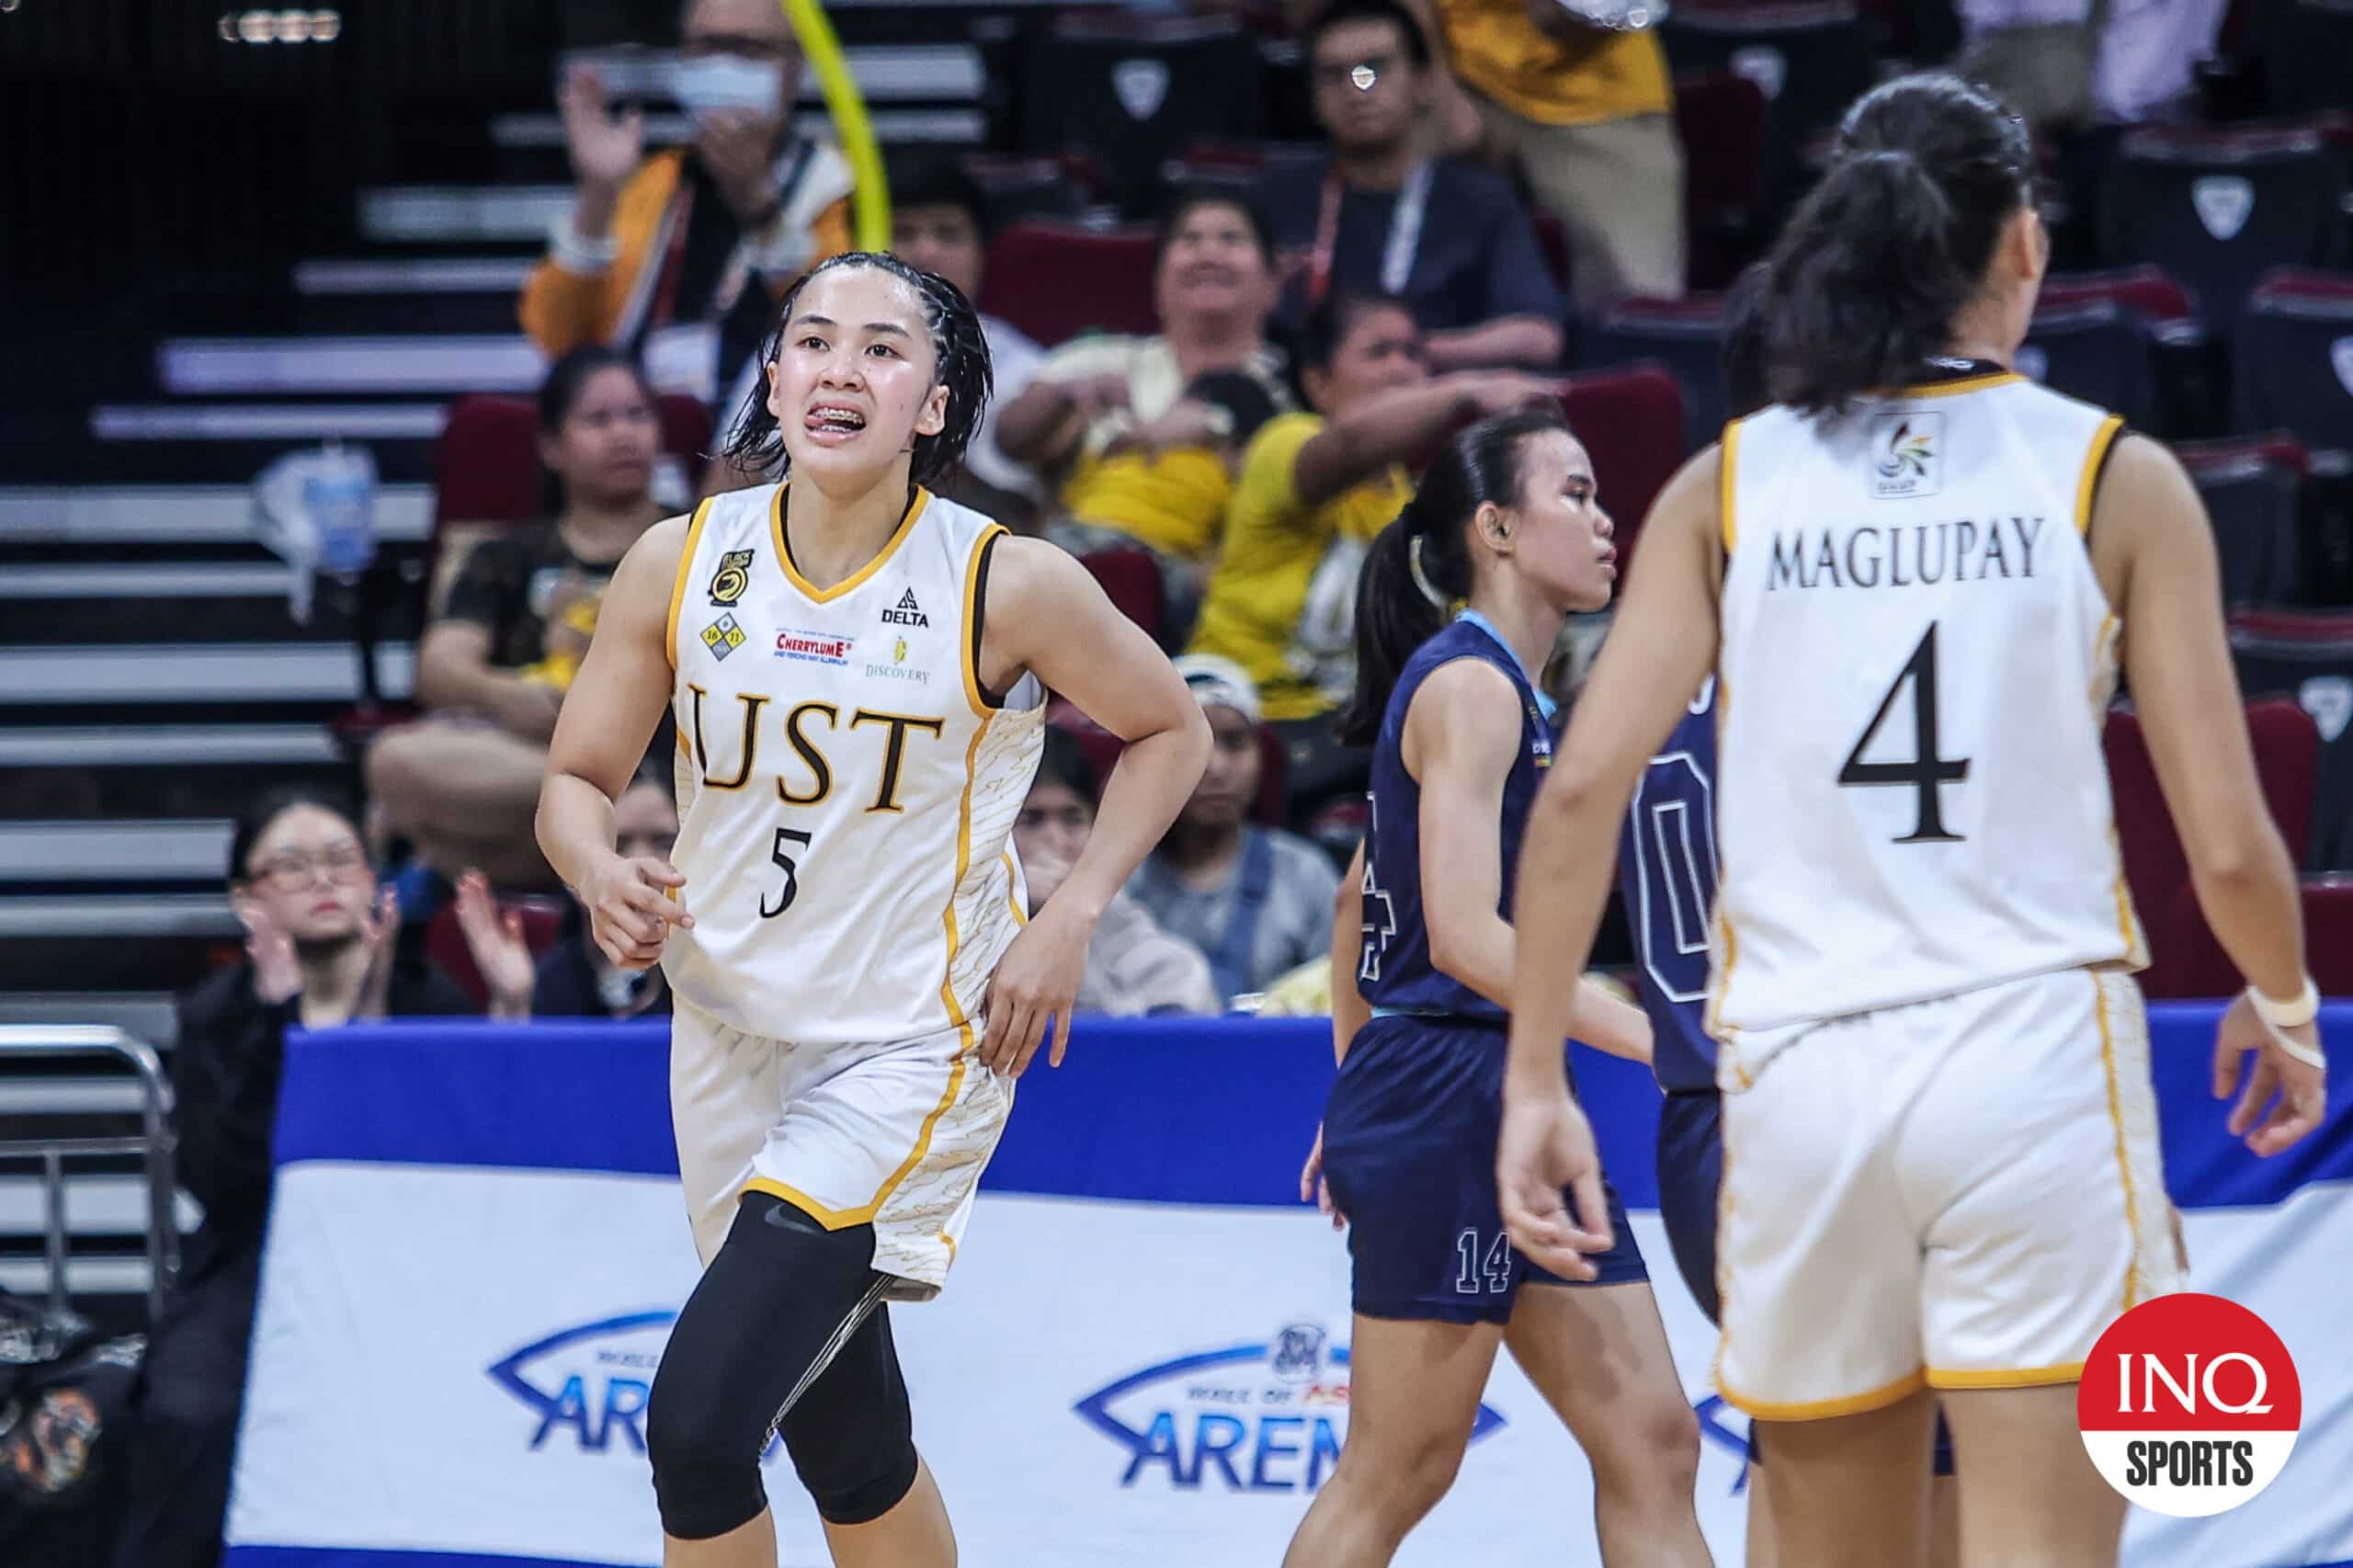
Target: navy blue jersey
[(1666, 872), (1394, 969)]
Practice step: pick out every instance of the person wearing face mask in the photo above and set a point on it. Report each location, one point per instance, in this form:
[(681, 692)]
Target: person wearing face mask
[(1139, 434), (680, 256), (1315, 489), (319, 952), (1133, 967), (575, 980)]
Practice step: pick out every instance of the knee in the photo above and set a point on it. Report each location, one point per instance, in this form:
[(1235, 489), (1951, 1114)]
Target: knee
[(396, 770), (706, 1456), (1401, 1479), (1655, 1446), (860, 1469)]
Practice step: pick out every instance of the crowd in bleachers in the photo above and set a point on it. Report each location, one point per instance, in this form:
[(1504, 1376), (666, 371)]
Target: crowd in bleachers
[(1217, 359)]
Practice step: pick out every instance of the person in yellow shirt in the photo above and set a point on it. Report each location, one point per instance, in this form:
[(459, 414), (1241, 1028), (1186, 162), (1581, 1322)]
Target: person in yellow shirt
[(680, 256), (1587, 112), (1315, 489), (1138, 433)]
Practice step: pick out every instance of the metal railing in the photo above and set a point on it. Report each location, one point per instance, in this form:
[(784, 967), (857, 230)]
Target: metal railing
[(153, 1144)]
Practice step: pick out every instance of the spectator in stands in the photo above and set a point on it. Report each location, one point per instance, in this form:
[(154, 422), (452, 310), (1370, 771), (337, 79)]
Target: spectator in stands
[(319, 952), (462, 785), (1256, 901), (1314, 491), (1133, 967), (2066, 63), (1140, 433), (939, 221), (574, 979), (680, 256), (1380, 215), (1586, 114)]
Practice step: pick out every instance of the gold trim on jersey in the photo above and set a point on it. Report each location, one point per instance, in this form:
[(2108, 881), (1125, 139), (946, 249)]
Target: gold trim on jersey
[(826, 596), (1958, 385), (2124, 1152), (1879, 1398), (964, 864), (2087, 485), (2008, 1378), (969, 655), (1726, 1036), (678, 582), (1724, 461), (841, 1218), (2128, 920), (1013, 892)]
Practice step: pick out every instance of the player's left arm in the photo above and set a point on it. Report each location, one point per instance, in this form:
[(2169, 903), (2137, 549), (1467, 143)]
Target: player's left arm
[(1048, 616)]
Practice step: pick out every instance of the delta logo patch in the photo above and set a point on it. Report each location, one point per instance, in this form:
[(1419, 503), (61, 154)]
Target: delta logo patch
[(735, 575), (906, 612), (1907, 455), (723, 637)]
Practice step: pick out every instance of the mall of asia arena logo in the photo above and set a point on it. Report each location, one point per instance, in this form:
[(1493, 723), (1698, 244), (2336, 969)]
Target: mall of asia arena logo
[(2189, 1404), (588, 1385), (1253, 1417)]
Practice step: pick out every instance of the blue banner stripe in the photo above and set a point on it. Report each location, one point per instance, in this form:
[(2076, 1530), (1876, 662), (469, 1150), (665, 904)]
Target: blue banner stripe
[(371, 1557), (1202, 1111)]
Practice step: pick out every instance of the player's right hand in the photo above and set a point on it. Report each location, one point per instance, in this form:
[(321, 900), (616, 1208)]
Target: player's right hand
[(1544, 1158), (1312, 1189), (2283, 1098), (630, 909)]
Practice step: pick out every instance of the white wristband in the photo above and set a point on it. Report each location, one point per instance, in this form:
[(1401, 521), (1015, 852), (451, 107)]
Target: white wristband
[(575, 253), (2277, 1017)]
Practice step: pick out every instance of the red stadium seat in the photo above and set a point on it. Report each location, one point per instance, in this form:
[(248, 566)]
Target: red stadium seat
[(2308, 658), (2154, 866), (1687, 336), (445, 942), (2151, 291), (1134, 89), (1631, 422), (1131, 581), (1809, 58), (1057, 281), (1016, 186), (2294, 358), (1719, 118)]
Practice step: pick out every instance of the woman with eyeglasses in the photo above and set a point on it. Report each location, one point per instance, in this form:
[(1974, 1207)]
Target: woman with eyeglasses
[(319, 953)]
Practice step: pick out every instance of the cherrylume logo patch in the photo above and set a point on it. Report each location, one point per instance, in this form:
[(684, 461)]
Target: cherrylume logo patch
[(2189, 1404)]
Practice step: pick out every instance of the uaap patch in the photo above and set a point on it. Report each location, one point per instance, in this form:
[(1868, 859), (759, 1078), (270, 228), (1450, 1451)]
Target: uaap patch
[(723, 636), (735, 575), (1907, 455)]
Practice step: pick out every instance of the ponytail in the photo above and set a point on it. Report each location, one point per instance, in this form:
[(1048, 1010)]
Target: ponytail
[(1864, 282), (1418, 568)]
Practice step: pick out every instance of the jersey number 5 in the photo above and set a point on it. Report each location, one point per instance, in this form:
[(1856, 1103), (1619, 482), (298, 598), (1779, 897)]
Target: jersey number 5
[(1926, 769), (786, 837)]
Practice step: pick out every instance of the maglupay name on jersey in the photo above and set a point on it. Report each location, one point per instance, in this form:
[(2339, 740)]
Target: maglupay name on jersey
[(1903, 557)]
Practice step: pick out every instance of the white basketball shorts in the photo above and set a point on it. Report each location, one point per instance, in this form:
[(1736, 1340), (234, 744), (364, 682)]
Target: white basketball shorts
[(1956, 1194), (892, 1135)]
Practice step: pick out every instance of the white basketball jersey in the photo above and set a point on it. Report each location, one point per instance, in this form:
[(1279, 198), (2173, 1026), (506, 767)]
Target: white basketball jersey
[(1917, 659), (845, 788)]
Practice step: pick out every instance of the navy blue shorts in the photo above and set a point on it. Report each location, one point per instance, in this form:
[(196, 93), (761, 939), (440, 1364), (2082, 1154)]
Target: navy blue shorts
[(1409, 1150), (1690, 1174)]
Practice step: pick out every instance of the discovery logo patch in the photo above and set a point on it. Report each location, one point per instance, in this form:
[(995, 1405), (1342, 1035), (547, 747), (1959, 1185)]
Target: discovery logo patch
[(1255, 1417)]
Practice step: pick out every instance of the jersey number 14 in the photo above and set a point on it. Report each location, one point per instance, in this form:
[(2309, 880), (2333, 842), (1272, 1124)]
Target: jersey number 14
[(1928, 768)]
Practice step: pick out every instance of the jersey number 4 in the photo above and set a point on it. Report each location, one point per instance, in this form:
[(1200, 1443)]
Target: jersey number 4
[(1928, 769)]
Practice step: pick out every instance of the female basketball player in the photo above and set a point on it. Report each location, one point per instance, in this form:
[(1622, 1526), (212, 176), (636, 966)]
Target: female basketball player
[(858, 671), (1507, 520), (1912, 577)]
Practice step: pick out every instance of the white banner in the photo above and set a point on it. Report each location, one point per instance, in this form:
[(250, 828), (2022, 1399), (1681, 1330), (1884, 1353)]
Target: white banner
[(455, 1362)]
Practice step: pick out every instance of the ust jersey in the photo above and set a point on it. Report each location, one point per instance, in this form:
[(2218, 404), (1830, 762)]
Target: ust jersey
[(1393, 968), (1666, 876), (846, 786), (1915, 661)]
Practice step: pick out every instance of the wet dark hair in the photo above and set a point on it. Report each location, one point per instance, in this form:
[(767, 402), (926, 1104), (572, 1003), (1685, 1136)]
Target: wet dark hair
[(1342, 12), (267, 807), (1064, 762), (1184, 203), (1744, 342), (1484, 462), (960, 355), (924, 177), (1335, 315), (1867, 276), (560, 393)]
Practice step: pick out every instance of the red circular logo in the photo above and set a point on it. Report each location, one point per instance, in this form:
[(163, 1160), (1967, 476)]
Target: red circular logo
[(2189, 1404)]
